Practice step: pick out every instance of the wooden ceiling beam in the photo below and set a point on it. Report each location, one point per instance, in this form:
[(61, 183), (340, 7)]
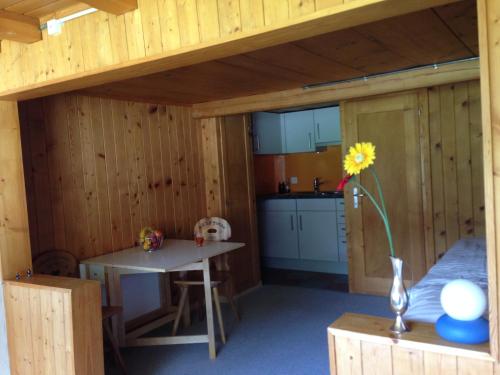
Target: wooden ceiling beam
[(405, 80), (113, 6), (19, 28)]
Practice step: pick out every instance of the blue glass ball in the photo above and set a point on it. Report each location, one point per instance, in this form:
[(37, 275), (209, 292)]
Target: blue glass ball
[(462, 331)]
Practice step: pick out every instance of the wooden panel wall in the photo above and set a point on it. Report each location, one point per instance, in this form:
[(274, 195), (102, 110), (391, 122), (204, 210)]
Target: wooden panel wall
[(98, 170), (361, 344), (456, 158), (100, 39), (230, 191), (54, 326), (14, 233), (160, 33)]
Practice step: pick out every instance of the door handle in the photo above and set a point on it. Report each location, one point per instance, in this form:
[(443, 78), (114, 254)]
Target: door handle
[(291, 223), (310, 141), (300, 222), (317, 128), (355, 197)]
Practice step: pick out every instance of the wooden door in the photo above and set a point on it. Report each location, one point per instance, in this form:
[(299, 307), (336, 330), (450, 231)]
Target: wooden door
[(393, 123)]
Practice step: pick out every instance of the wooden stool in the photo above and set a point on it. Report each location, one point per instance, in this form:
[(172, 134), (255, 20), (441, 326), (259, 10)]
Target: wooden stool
[(107, 313), (221, 277)]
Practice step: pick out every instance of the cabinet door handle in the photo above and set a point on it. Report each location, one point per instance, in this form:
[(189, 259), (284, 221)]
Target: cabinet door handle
[(310, 141), (258, 143), (300, 222), (317, 128), (291, 223)]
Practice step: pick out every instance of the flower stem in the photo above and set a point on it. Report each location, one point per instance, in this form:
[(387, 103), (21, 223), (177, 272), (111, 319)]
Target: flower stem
[(381, 213), (382, 200)]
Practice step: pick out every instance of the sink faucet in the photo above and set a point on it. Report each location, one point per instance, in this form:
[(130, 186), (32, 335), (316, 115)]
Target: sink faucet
[(316, 184)]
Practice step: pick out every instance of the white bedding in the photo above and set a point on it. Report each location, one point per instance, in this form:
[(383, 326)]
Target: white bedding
[(466, 259)]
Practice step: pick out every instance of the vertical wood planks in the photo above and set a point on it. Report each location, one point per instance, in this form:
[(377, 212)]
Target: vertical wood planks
[(14, 233), (111, 167), (348, 356), (54, 326), (456, 163)]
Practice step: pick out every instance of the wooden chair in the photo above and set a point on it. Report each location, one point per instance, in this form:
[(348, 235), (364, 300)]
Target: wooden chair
[(63, 263), (211, 229)]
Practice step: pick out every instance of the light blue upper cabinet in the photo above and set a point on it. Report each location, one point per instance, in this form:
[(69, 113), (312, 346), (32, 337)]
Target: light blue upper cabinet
[(299, 131), (268, 133), (327, 125)]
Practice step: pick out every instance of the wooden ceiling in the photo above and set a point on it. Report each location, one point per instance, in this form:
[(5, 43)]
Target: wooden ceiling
[(41, 8), (432, 36)]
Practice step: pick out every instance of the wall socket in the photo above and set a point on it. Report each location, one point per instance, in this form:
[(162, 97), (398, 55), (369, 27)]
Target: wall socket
[(294, 180)]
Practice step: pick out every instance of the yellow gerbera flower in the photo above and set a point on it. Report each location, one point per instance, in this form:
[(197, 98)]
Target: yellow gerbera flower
[(360, 156)]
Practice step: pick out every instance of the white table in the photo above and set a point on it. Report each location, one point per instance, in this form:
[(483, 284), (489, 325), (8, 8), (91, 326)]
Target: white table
[(174, 256)]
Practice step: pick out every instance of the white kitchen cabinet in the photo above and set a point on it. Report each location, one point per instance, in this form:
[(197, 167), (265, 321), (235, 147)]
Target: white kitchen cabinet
[(299, 132), (303, 234), (278, 233), (327, 126), (268, 133)]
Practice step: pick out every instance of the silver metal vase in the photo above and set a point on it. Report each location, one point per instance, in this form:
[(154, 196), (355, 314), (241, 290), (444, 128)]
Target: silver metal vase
[(398, 297)]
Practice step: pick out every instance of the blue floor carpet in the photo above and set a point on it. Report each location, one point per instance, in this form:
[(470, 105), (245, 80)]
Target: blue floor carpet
[(282, 332)]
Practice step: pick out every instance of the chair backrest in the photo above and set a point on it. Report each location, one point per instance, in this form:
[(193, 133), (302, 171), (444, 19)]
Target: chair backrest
[(213, 229), (56, 263)]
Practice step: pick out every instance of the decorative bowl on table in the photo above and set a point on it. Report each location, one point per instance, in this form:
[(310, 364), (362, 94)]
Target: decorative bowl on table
[(151, 239)]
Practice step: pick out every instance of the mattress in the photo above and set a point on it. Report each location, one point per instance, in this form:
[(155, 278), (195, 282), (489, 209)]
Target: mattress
[(466, 259)]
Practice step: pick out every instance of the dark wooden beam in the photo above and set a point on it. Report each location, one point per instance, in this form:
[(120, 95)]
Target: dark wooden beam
[(113, 6), (19, 28)]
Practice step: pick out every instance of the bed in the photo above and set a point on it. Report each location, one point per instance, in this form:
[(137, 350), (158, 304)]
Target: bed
[(465, 259)]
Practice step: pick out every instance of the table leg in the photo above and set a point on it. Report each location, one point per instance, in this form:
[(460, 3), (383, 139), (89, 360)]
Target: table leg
[(209, 307), (116, 299)]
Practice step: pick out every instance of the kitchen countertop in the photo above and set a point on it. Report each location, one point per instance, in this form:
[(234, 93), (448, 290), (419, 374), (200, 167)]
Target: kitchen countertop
[(303, 195)]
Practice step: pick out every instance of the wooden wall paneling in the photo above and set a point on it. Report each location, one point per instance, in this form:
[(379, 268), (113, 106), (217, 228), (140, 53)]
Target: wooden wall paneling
[(154, 166), (77, 191), (439, 364), (464, 173), (476, 145), (62, 316), (376, 358), (426, 172), (448, 143), (100, 153), (187, 228), (321, 4), (489, 33), (40, 172), (428, 77), (275, 11), (298, 8), (100, 65), (229, 17), (134, 34), (188, 16), (55, 141), (14, 231), (109, 186), (170, 34), (113, 167), (407, 361), (209, 25), (180, 214), (84, 110), (132, 165), (124, 190), (252, 14), (117, 29), (140, 128), (239, 199), (166, 163), (469, 366), (348, 356), (151, 27)]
